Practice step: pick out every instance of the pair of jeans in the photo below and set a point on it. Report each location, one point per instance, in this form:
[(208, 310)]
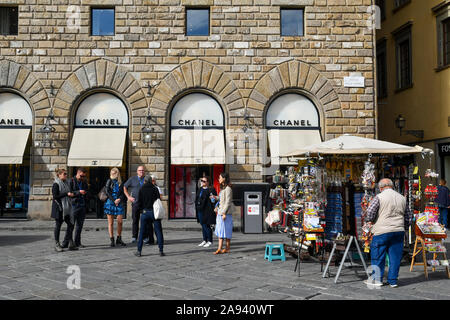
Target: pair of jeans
[(80, 216), (148, 232), (392, 244), (206, 228), (148, 217), (443, 216), (58, 225)]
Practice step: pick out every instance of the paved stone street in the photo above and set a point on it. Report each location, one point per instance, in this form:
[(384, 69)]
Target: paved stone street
[(31, 269)]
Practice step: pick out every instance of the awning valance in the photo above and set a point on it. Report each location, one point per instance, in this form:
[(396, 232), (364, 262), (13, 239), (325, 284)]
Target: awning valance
[(285, 141), (190, 146), (12, 145), (97, 147)]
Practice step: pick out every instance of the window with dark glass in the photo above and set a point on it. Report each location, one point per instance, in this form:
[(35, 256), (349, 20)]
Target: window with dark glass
[(9, 20), (381, 70), (382, 5), (404, 59), (399, 3), (446, 41), (103, 21), (291, 22), (197, 22)]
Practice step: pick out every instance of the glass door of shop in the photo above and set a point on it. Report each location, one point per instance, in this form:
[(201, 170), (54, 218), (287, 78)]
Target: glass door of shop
[(15, 187), (184, 183), (96, 179)]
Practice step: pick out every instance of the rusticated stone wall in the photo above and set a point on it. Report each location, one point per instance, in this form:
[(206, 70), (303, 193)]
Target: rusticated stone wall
[(242, 63)]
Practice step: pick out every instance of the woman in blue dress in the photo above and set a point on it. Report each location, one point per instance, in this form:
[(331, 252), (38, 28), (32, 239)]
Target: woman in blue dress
[(224, 219), (114, 205)]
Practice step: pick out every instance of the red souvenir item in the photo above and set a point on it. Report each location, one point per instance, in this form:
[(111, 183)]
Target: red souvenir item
[(431, 192)]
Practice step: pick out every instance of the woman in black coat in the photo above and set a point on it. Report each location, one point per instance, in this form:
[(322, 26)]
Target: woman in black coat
[(62, 210), (205, 210)]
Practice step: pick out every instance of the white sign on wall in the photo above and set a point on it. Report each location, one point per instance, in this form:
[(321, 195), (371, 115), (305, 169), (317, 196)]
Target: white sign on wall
[(14, 111), (102, 110), (354, 82), (197, 110), (292, 110)]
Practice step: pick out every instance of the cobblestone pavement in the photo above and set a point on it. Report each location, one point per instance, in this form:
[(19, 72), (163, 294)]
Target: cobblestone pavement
[(31, 269)]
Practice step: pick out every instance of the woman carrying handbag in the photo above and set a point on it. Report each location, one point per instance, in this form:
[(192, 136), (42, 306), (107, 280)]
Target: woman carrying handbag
[(114, 205), (62, 210), (205, 210)]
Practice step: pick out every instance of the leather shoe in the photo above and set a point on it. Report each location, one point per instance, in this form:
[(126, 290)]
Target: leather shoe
[(162, 254), (137, 254)]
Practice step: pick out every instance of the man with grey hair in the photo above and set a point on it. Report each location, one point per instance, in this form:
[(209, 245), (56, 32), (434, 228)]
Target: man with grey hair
[(390, 216)]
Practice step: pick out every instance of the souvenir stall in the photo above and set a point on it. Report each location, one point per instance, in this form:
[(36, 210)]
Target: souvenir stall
[(323, 200)]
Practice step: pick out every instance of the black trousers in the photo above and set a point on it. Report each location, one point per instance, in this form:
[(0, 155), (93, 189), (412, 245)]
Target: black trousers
[(69, 230), (80, 216), (148, 232)]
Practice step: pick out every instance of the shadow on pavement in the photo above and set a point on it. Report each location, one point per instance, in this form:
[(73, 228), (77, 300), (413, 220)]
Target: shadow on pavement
[(20, 239)]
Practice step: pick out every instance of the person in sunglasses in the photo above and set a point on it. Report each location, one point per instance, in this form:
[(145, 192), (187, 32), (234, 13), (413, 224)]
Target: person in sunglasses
[(62, 209), (79, 188), (205, 210)]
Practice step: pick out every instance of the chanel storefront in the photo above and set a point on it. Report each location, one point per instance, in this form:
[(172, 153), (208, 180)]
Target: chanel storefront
[(197, 148), (16, 121), (99, 142)]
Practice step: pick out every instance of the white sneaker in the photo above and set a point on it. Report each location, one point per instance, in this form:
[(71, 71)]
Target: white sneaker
[(207, 244), (202, 244)]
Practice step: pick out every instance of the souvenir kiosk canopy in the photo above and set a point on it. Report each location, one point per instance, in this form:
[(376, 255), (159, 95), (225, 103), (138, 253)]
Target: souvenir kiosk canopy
[(348, 144)]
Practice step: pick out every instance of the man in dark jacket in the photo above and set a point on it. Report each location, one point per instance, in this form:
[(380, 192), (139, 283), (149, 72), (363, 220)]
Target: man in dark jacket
[(443, 200), (205, 210), (79, 187), (148, 194)]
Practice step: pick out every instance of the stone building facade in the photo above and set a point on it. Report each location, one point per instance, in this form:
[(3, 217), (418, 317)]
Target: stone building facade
[(54, 63)]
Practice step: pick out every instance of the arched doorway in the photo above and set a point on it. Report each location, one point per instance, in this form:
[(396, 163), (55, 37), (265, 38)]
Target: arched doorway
[(16, 120), (99, 143), (197, 148)]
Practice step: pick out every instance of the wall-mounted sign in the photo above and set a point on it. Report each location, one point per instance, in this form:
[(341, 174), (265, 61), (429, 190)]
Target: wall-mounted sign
[(14, 111), (354, 82), (444, 149), (197, 110), (102, 110), (292, 111)]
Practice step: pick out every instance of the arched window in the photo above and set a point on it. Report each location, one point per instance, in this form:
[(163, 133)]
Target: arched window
[(292, 121), (101, 123)]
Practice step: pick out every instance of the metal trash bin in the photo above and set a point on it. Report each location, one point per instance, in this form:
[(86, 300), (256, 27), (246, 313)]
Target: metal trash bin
[(252, 212)]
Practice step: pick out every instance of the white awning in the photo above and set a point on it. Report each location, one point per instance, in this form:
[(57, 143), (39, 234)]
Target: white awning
[(12, 145), (348, 144), (97, 147), (190, 146), (282, 142)]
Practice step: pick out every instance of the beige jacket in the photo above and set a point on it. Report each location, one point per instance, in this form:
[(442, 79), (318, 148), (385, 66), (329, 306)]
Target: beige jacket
[(226, 197), (391, 213)]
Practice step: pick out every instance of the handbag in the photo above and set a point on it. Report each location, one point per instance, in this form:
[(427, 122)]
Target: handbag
[(102, 196), (60, 208), (158, 209)]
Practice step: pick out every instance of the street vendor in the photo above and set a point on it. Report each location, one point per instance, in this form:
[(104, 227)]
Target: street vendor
[(390, 216)]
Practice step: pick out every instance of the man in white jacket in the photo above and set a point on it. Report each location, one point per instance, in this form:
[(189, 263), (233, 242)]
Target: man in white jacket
[(390, 216)]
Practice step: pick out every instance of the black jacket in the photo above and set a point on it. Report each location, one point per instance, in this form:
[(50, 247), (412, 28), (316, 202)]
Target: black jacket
[(203, 204), (148, 194), (78, 198), (109, 191), (57, 196)]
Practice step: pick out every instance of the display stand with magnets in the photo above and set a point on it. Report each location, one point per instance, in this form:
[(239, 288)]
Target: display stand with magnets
[(419, 247), (346, 253)]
